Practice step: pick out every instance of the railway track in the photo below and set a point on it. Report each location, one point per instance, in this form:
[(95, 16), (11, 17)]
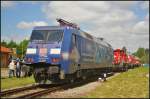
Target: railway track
[(38, 90), (53, 89), (40, 93), (11, 92), (16, 90)]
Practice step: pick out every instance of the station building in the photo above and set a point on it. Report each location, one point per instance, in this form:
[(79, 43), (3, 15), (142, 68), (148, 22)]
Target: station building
[(5, 52)]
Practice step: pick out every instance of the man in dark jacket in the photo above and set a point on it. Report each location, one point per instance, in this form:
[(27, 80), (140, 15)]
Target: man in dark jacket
[(18, 68)]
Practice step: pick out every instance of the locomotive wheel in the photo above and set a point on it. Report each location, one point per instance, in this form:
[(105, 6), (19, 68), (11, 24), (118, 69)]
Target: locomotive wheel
[(78, 74), (39, 78), (72, 80), (36, 77), (42, 79), (83, 77)]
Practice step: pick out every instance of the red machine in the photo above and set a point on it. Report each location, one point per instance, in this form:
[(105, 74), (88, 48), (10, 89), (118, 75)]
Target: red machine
[(133, 61), (125, 61), (120, 57), (136, 61)]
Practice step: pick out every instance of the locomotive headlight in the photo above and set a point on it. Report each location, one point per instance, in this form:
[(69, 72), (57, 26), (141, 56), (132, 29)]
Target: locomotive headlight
[(55, 51), (31, 51)]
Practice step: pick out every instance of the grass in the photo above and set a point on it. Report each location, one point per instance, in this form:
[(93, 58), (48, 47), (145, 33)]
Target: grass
[(131, 84), (15, 82)]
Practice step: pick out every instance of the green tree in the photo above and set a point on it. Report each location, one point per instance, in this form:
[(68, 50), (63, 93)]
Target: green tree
[(146, 51), (143, 54), (145, 59), (4, 43), (12, 44), (140, 52), (21, 49)]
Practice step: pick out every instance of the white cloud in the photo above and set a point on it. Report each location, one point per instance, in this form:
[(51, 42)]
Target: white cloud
[(114, 20), (81, 11), (78, 11), (29, 25), (6, 4), (141, 27)]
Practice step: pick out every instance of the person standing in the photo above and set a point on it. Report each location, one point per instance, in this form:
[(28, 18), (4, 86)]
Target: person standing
[(104, 77), (11, 68), (18, 69)]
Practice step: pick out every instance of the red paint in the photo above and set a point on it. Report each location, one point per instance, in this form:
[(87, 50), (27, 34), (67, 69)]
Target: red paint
[(120, 57)]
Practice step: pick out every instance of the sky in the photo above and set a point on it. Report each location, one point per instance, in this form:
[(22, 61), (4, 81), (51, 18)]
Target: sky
[(120, 23)]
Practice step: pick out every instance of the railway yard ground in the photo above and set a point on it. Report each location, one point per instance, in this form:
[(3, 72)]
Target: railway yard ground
[(131, 84), (7, 83)]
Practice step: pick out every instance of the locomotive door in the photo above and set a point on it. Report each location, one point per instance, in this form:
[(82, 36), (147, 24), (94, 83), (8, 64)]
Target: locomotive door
[(74, 55), (77, 48)]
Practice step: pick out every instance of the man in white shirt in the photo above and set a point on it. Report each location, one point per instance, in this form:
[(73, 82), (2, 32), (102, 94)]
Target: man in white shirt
[(11, 68)]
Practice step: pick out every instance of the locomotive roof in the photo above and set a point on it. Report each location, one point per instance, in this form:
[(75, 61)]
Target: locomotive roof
[(102, 41), (87, 35), (99, 40)]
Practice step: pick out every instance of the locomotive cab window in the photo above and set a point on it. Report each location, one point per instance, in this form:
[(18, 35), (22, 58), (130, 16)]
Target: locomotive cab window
[(37, 35), (47, 35), (55, 35)]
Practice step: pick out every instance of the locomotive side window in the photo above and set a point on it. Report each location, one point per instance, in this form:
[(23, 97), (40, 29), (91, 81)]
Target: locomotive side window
[(76, 41)]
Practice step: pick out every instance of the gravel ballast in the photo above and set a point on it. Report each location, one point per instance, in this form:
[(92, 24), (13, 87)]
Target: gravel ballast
[(77, 92), (74, 92)]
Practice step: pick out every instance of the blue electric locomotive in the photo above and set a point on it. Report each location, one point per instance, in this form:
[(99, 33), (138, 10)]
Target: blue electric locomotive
[(65, 52)]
